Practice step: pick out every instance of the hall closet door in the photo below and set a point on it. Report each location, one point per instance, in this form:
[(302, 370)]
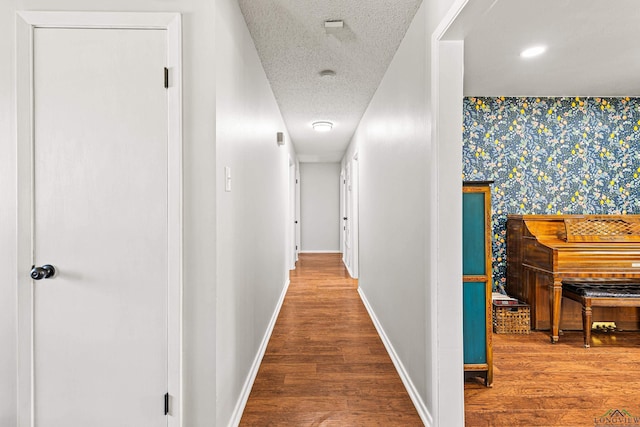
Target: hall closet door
[(95, 333)]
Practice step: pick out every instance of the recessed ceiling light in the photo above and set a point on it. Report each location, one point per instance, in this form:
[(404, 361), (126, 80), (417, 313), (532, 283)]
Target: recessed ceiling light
[(322, 126), (327, 74), (533, 51)]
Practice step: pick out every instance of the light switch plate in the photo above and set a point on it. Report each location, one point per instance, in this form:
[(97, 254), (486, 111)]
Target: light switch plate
[(227, 178)]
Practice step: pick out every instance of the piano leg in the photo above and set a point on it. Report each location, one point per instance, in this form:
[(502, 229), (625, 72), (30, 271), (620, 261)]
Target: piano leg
[(555, 301), (586, 322)]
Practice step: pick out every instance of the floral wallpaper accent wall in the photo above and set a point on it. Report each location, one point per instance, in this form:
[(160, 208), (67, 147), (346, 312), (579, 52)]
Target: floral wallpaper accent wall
[(552, 156)]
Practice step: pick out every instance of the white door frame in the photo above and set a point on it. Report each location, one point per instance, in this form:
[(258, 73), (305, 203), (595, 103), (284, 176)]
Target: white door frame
[(444, 301), (355, 216), (297, 210), (291, 225), (26, 22), (343, 213), (346, 218), (349, 201)]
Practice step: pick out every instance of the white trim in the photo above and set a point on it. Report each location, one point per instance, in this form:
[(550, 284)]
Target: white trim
[(422, 409), (447, 247), (297, 209), (343, 211), (175, 219), (291, 250), (24, 129), (26, 22), (431, 303), (255, 366), (445, 253), (354, 269), (348, 269), (447, 22), (320, 251), (120, 20)]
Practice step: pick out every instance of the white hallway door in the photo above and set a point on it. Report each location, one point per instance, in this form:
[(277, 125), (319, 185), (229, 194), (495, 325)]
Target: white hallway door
[(348, 253), (350, 219), (100, 183)]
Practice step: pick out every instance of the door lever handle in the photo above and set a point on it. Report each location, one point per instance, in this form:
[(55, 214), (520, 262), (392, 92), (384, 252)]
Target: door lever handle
[(45, 272)]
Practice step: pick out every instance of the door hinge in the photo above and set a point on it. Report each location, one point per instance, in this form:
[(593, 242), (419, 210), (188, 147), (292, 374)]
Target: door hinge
[(166, 78), (296, 181), (166, 403)]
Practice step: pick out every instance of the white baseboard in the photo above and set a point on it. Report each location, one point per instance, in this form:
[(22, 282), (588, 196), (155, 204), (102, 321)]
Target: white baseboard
[(426, 417), (320, 251), (253, 372), (348, 270)]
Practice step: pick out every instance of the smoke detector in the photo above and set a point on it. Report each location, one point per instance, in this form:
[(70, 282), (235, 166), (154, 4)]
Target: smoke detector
[(333, 24), (327, 74)]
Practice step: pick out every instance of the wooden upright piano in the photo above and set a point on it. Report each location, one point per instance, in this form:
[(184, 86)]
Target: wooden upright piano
[(543, 250)]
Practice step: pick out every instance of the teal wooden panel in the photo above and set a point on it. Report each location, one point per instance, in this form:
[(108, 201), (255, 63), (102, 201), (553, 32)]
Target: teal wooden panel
[(474, 322), (473, 234)]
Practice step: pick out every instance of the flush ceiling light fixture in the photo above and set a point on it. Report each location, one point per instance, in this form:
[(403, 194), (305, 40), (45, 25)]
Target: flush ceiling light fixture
[(533, 51), (322, 126)]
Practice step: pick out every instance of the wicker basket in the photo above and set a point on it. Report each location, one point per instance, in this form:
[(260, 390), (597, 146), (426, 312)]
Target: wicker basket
[(511, 318)]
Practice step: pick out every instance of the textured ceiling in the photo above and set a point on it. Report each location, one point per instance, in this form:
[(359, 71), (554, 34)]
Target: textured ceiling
[(592, 51), (294, 48)]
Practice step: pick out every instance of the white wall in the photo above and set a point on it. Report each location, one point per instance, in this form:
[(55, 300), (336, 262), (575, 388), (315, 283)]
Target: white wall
[(199, 206), (320, 207), (241, 294), (400, 257), (397, 140), (252, 240), (392, 141), (7, 221), (252, 219)]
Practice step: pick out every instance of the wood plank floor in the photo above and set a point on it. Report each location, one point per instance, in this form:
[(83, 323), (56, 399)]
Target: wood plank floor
[(537, 383), (325, 364)]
